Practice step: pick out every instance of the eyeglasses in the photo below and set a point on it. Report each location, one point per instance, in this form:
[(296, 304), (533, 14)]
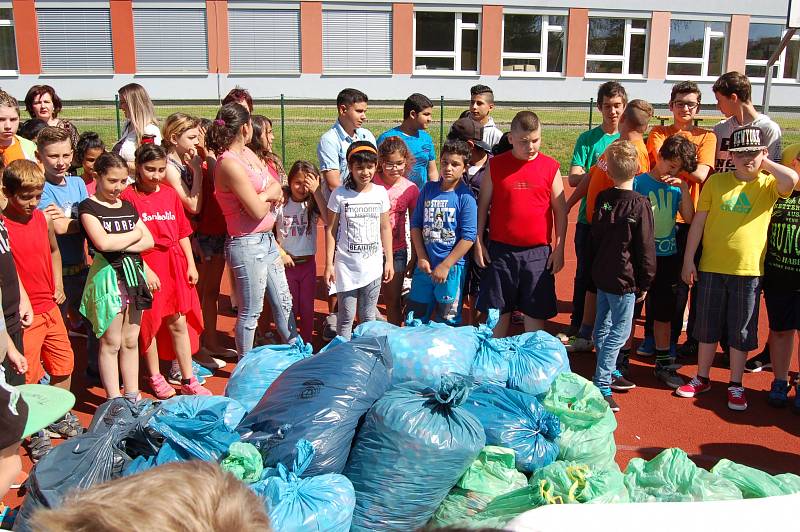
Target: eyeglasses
[(687, 105), (394, 166)]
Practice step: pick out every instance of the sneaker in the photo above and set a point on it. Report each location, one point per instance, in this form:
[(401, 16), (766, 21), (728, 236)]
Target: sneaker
[(692, 388), (647, 348), (205, 359), (778, 394), (668, 375), (160, 388), (736, 398), (329, 328), (688, 349), (194, 388), (577, 345), (39, 445), (758, 363), (620, 383), (624, 364), (517, 318), (612, 404), (174, 376), (67, 427)]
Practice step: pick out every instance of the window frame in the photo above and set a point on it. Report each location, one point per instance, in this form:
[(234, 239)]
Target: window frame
[(246, 6), (9, 23), (460, 26), (626, 47), (780, 63), (542, 55), (708, 35)]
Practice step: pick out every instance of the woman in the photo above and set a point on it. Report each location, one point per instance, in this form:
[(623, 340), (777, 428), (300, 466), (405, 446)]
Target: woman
[(43, 103), (140, 122), (247, 195)]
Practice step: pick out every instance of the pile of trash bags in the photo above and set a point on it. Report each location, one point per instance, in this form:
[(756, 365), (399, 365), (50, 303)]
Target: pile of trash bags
[(399, 428)]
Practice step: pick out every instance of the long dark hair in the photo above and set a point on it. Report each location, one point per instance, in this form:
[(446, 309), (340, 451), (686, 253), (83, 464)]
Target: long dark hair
[(260, 123), (300, 168), (230, 119)]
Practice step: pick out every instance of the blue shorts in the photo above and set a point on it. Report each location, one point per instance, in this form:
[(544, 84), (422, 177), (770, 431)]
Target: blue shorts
[(440, 300)]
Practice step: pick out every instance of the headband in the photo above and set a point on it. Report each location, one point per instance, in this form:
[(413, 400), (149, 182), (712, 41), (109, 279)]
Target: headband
[(368, 148)]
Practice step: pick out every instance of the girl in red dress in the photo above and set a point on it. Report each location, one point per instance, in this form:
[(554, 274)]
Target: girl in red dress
[(171, 329)]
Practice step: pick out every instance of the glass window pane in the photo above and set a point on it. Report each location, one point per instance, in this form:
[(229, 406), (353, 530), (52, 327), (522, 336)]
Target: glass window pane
[(763, 40), (6, 13), (790, 65), (686, 38), (640, 23), (604, 67), (469, 18), (8, 49), (716, 57), (754, 71), (469, 50), (718, 26), (637, 54), (435, 63), (684, 69), (606, 36), (436, 32), (522, 34), (520, 65), (557, 20), (555, 51)]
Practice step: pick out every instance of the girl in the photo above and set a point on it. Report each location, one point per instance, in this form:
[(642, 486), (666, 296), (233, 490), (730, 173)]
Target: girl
[(43, 103), (297, 236), (395, 162), (171, 328), (361, 242), (89, 148), (116, 292), (141, 120), (261, 144), (247, 192), (181, 136)]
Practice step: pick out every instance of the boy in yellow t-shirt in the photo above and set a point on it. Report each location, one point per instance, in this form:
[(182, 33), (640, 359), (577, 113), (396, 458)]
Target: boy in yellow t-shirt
[(732, 218)]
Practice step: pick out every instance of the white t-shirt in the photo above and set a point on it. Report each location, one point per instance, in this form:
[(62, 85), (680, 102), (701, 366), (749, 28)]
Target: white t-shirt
[(127, 142), (296, 236), (770, 135), (359, 251), (491, 133)]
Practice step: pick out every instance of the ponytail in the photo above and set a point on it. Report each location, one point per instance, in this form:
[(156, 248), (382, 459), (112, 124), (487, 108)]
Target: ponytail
[(230, 119)]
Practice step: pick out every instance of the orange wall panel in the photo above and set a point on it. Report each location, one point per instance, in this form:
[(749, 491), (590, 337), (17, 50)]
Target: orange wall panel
[(402, 45), (491, 40), (659, 45), (27, 37), (577, 32), (737, 43), (122, 37), (219, 59), (311, 37)]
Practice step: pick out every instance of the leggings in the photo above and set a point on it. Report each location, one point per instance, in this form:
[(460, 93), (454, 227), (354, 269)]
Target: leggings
[(364, 299), (302, 279)]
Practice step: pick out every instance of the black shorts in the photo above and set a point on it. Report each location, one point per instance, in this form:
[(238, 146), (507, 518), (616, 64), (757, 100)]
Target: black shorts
[(12, 377), (663, 293), (474, 275), (588, 260), (518, 279), (783, 309)]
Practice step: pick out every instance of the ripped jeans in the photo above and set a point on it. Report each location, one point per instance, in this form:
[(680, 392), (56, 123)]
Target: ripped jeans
[(258, 270)]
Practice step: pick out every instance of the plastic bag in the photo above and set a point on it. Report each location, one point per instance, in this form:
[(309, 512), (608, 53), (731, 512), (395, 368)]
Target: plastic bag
[(491, 474), (587, 423), (324, 502), (244, 462), (490, 364), (754, 483), (535, 359), (518, 421), (414, 445), (320, 399), (672, 477), (374, 328), (259, 368)]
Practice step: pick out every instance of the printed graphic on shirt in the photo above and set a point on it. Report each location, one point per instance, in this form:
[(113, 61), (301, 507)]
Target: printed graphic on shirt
[(167, 216), (438, 220), (5, 247), (118, 224), (739, 204), (783, 250), (724, 162), (296, 225), (363, 228)]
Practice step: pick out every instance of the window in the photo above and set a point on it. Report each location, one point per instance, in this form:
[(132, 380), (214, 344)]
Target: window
[(696, 48), (171, 39), (75, 40), (446, 41), (617, 46), (534, 44), (357, 41), (8, 47), (762, 42), (264, 40)]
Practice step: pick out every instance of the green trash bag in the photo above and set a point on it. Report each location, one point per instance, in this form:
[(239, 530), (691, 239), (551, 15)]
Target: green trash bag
[(571, 483), (754, 483), (587, 423), (244, 462), (493, 473), (673, 477)]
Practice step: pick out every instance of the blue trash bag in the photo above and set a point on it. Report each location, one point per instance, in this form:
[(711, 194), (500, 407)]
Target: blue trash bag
[(259, 368), (490, 364), (320, 399), (518, 421), (535, 361), (414, 445), (324, 502), (196, 426), (375, 328)]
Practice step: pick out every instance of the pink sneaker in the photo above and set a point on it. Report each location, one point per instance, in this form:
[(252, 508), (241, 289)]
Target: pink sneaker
[(736, 398), (194, 388), (161, 388), (692, 388)]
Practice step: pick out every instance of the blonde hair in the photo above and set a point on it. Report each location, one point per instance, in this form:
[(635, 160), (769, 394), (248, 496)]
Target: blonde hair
[(22, 174), (191, 496), (140, 108), (622, 160), (6, 100), (176, 124)]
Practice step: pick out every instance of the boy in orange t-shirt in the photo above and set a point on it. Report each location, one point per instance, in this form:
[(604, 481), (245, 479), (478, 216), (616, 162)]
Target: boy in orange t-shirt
[(12, 146)]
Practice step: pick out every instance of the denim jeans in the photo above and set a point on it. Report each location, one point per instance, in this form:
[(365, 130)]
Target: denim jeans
[(611, 330), (582, 244), (73, 291), (364, 299), (258, 271)]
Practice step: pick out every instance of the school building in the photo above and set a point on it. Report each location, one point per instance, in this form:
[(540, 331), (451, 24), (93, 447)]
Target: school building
[(526, 50)]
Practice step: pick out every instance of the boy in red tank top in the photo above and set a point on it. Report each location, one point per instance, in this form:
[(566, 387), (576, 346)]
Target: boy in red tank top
[(524, 190)]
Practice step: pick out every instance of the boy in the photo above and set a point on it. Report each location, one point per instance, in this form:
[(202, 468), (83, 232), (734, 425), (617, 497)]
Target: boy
[(351, 106), (732, 218), (38, 262), (632, 126), (524, 190), (624, 260), (669, 196), (417, 112), (611, 101), (12, 146), (443, 231), (481, 103)]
